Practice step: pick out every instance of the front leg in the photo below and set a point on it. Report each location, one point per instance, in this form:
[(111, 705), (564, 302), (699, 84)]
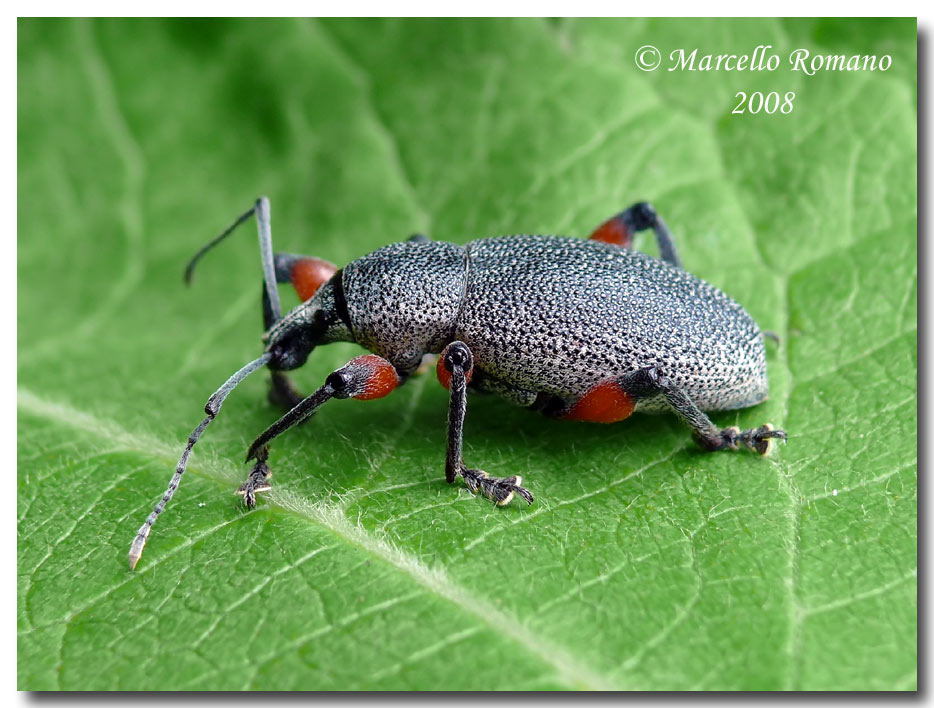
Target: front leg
[(306, 275), (454, 370), (364, 377), (258, 481)]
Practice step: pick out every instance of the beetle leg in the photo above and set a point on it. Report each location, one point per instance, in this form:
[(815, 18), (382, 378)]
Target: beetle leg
[(650, 382), (640, 216), (455, 369), (365, 377), (258, 480), (306, 274), (282, 392)]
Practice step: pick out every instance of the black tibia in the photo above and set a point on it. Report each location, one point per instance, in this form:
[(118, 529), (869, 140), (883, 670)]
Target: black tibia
[(651, 382), (458, 361), (641, 216), (304, 410), (346, 382), (282, 393)]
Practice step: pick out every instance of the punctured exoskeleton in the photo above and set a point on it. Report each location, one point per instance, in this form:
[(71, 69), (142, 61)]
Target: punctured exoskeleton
[(585, 330)]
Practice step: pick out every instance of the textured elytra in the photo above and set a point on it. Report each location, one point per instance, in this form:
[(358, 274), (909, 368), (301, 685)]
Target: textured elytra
[(557, 315)]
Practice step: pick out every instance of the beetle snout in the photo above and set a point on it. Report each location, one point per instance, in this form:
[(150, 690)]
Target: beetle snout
[(289, 355), (289, 350)]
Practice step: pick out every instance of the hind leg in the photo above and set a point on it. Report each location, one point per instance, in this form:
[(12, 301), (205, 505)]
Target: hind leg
[(611, 401), (640, 216)]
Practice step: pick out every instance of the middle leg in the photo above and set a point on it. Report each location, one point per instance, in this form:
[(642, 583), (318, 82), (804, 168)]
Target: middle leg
[(455, 368)]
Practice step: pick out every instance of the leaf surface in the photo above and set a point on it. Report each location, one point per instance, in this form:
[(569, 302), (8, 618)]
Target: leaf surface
[(644, 563)]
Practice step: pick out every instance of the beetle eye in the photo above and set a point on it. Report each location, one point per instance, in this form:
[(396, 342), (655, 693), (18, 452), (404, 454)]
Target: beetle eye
[(338, 380)]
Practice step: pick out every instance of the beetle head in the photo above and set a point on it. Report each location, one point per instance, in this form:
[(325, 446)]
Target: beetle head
[(291, 340)]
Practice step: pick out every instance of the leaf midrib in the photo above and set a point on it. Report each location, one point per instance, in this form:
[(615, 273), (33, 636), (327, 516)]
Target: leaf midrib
[(330, 518)]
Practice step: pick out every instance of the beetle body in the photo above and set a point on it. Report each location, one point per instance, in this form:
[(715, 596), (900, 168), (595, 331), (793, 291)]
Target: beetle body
[(585, 330), (552, 317)]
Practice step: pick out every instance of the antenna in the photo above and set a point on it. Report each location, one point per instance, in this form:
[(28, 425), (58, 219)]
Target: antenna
[(261, 210), (212, 407)]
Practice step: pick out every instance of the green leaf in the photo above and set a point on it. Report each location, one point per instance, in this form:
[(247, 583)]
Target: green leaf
[(644, 563)]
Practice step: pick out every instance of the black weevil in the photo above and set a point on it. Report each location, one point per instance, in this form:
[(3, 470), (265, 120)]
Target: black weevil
[(585, 330)]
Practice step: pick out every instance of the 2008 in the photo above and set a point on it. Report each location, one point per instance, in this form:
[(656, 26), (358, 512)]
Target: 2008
[(771, 102)]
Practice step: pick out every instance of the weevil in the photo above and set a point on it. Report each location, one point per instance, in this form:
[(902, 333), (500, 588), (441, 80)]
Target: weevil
[(582, 330)]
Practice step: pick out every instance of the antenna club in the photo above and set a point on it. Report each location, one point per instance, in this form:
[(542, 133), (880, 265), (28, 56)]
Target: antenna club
[(136, 550)]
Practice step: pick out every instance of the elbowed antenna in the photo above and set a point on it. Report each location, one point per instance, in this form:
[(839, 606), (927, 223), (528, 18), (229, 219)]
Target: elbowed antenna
[(190, 268), (211, 408), (261, 210), (265, 250)]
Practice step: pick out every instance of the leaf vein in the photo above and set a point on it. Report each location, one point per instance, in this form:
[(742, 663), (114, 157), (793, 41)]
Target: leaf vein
[(435, 580)]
